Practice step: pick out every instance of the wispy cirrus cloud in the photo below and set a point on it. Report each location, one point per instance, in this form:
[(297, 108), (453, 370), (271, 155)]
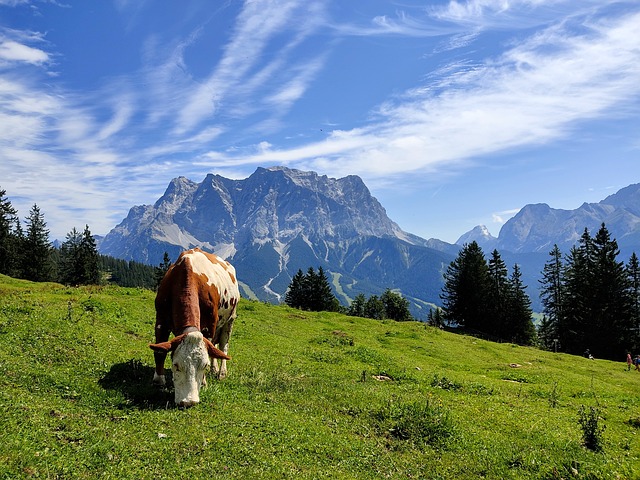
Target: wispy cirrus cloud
[(533, 93)]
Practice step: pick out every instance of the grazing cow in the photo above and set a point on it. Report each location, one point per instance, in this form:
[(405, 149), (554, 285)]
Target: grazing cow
[(197, 302)]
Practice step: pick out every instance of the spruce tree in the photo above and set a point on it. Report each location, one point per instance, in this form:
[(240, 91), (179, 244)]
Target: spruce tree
[(611, 304), (466, 289), (8, 242), (374, 308), (89, 259), (70, 271), (520, 328), (552, 297), (36, 262), (162, 269), (435, 318), (576, 320), (633, 274), (295, 295), (356, 309), (498, 297), (327, 301), (395, 306)]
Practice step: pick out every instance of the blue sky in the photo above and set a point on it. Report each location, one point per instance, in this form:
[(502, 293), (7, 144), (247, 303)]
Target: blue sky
[(455, 113)]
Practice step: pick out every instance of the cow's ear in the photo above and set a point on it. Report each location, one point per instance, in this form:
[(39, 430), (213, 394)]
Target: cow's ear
[(214, 352), (163, 347), (167, 346)]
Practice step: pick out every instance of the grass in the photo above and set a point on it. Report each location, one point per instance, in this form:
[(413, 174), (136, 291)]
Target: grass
[(309, 395)]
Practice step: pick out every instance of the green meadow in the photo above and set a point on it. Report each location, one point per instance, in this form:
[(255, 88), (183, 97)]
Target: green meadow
[(309, 395)]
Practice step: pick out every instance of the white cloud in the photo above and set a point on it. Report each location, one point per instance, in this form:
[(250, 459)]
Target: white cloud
[(11, 51), (532, 94)]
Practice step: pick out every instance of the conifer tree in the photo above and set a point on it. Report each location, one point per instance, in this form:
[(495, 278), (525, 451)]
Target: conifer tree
[(552, 297), (89, 259), (435, 318), (498, 298), (466, 289), (576, 319), (8, 242), (374, 308), (395, 306), (597, 307), (79, 259), (356, 309), (611, 303), (295, 295), (633, 273), (36, 263), (311, 292), (162, 269), (70, 271), (326, 300), (520, 328)]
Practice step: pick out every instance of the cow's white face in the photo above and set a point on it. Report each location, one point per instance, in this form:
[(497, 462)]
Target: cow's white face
[(190, 363)]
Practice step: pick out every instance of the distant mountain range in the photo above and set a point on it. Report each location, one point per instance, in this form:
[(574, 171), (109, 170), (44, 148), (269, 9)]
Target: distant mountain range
[(280, 220), (536, 228)]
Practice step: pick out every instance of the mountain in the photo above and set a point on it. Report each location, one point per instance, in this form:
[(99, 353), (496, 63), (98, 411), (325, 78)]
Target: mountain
[(279, 220), (481, 236), (536, 228)]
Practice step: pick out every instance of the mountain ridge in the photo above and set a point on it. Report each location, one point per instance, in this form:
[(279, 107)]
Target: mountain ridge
[(279, 220)]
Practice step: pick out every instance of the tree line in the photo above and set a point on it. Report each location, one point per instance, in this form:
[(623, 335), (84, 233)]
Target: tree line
[(480, 296), (591, 300), (27, 253), (312, 292)]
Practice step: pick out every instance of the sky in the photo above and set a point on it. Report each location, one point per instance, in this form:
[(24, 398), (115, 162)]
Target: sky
[(454, 113)]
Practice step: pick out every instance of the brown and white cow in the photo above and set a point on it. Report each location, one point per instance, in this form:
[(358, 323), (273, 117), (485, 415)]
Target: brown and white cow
[(197, 302)]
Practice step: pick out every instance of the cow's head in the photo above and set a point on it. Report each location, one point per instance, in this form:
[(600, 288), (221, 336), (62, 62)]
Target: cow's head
[(190, 361)]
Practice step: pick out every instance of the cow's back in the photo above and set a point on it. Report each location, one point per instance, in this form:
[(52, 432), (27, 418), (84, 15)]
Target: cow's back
[(199, 290)]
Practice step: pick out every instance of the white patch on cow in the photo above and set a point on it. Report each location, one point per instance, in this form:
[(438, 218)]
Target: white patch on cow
[(190, 362), (220, 276)]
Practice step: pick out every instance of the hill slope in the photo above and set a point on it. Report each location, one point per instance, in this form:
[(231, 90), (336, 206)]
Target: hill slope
[(301, 400)]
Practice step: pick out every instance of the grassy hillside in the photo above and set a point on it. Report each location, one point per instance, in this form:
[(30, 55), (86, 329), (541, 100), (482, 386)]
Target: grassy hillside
[(301, 400)]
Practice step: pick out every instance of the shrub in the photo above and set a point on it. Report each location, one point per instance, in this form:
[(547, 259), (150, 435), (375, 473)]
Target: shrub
[(419, 424), (591, 429)]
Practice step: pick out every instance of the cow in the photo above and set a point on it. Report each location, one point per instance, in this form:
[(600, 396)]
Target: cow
[(196, 301)]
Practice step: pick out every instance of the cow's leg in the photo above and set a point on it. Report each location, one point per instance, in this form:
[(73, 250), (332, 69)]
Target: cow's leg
[(223, 344), (159, 357)]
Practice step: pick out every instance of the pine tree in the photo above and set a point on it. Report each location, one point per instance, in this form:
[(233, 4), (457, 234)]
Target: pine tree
[(89, 259), (576, 319), (70, 271), (356, 309), (547, 335), (597, 308), (611, 304), (466, 289), (162, 269), (520, 328), (633, 274), (435, 318), (311, 292), (552, 297), (327, 301), (395, 306), (497, 301), (295, 295), (8, 242), (36, 263), (374, 308)]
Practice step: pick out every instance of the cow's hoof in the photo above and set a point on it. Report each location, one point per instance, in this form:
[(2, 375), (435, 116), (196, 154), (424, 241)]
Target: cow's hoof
[(159, 380)]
